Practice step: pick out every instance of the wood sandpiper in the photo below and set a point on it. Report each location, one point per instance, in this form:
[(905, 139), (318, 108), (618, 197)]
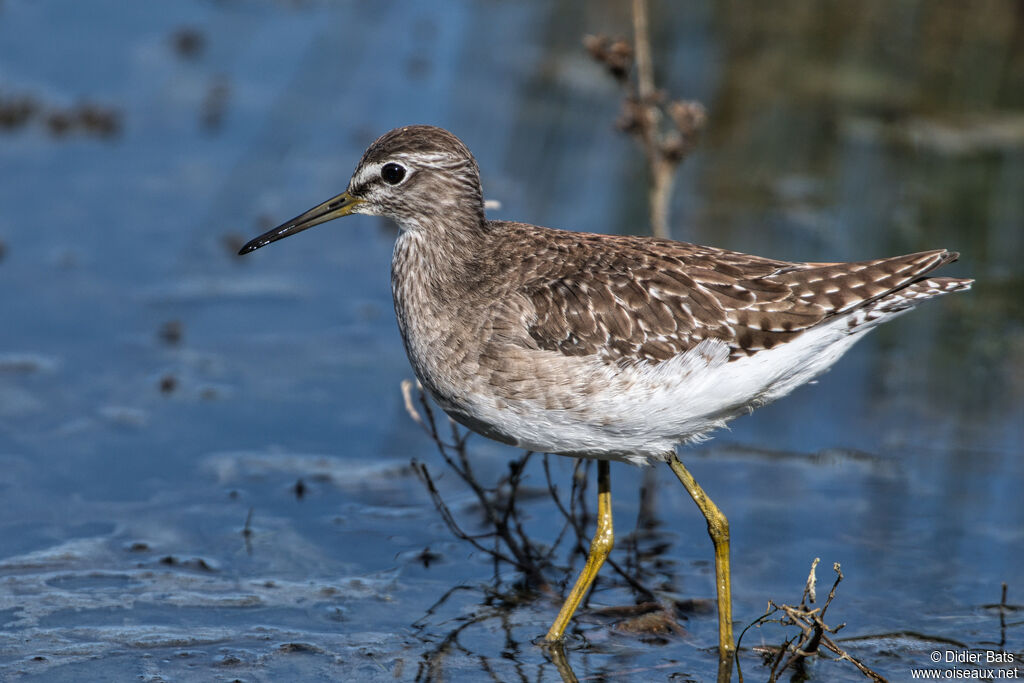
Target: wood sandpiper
[(602, 346)]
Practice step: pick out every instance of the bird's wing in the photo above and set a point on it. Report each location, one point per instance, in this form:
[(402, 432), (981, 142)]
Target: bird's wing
[(639, 300)]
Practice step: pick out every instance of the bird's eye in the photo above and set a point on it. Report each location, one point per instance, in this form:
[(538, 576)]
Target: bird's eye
[(392, 173)]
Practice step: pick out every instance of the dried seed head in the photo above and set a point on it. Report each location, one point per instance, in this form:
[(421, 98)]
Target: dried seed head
[(616, 55), (689, 117)]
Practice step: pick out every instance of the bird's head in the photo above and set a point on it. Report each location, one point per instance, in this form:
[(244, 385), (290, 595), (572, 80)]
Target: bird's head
[(423, 177)]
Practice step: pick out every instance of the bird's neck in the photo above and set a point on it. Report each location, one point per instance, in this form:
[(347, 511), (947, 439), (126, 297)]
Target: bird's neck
[(429, 276), (441, 253)]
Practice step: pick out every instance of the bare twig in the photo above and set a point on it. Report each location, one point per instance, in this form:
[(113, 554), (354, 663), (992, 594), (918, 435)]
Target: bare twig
[(420, 623), (570, 518), (813, 633), (511, 544), (661, 169), (642, 41), (410, 407), (812, 580), (449, 519), (645, 111)]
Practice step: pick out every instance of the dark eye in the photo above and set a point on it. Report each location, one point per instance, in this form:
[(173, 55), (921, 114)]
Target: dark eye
[(392, 173)]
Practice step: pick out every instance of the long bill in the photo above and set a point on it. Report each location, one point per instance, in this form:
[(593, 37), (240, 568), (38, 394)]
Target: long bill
[(335, 207)]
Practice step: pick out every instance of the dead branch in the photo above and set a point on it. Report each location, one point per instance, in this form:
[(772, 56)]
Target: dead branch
[(813, 633), (666, 129), (505, 539), (506, 529)]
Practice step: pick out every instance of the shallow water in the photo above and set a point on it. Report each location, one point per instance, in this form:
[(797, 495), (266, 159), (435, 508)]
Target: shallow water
[(161, 399)]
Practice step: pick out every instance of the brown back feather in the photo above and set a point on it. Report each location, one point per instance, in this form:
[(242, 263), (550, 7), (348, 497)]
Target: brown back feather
[(634, 299)]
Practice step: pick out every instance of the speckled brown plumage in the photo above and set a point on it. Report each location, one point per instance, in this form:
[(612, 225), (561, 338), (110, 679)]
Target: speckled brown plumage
[(600, 345), (634, 299)]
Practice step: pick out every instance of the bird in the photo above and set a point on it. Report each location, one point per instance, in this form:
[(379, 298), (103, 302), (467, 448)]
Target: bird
[(609, 347)]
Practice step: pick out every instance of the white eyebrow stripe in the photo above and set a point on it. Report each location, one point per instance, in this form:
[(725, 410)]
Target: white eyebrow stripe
[(424, 158), (366, 173)]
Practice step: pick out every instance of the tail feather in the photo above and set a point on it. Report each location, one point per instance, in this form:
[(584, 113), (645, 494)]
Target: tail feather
[(918, 291), (901, 300)]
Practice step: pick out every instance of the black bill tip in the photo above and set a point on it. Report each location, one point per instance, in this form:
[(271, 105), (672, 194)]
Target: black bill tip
[(253, 245)]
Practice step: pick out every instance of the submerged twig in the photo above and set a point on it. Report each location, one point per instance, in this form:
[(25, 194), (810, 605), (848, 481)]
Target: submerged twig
[(505, 539)]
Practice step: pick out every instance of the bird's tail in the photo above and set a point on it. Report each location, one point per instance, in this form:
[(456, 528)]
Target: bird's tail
[(903, 299)]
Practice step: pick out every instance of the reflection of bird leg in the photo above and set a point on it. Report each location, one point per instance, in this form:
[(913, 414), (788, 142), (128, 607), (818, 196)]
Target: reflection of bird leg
[(718, 529), (561, 662), (599, 549)]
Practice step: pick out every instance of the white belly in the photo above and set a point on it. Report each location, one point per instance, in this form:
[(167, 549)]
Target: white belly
[(643, 411)]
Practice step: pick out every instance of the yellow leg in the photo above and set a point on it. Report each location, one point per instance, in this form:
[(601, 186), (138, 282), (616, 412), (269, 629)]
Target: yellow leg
[(599, 549), (718, 529)]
